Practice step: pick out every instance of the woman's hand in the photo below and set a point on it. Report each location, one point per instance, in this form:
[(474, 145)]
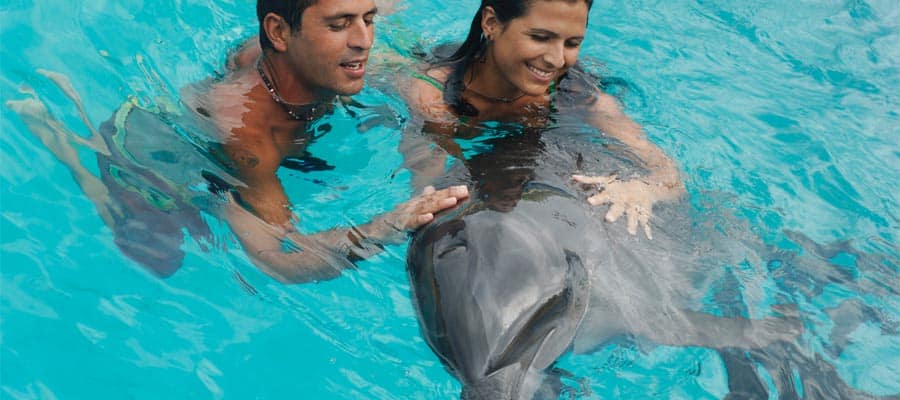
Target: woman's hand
[(634, 199)]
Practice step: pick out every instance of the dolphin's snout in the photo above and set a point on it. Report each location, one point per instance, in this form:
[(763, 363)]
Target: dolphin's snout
[(503, 384)]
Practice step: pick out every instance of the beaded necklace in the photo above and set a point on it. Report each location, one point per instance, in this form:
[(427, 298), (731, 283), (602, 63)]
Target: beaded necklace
[(307, 112)]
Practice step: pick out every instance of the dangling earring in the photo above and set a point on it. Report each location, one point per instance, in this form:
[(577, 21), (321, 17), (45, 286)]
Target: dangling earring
[(488, 39)]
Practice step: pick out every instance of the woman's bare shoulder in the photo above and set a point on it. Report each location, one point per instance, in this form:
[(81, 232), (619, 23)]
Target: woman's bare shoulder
[(425, 91), (440, 73)]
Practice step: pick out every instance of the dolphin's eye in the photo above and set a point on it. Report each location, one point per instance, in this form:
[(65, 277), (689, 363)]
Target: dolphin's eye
[(453, 248)]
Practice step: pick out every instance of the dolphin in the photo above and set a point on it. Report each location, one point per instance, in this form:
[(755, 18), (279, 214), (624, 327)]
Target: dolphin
[(500, 295), (525, 270)]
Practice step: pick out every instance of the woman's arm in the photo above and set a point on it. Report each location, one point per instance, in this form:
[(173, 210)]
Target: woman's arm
[(607, 116), (633, 198), (427, 143)]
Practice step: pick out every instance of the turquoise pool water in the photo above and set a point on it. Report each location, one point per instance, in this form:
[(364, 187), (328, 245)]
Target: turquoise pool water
[(784, 116)]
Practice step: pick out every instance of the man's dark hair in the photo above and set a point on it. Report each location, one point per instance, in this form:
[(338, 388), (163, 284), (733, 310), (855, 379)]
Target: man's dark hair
[(290, 10)]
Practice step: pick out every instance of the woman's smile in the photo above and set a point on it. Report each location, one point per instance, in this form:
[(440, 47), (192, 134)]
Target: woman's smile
[(541, 75)]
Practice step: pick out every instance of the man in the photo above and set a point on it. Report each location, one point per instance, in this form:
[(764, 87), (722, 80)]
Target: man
[(311, 53)]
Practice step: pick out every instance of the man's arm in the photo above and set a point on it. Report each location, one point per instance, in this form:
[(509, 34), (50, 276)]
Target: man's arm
[(259, 213), (292, 257), (256, 158)]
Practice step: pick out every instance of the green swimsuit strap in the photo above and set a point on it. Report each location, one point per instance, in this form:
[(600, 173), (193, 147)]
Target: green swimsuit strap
[(433, 82)]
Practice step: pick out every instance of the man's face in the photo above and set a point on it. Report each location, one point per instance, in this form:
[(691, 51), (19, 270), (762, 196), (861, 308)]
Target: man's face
[(330, 51)]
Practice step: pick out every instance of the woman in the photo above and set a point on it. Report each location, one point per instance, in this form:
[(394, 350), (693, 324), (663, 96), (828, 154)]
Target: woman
[(518, 64)]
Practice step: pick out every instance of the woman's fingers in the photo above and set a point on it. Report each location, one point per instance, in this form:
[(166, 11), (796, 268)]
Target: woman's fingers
[(644, 219), (594, 180), (639, 216), (600, 198), (626, 198), (615, 211), (633, 220)]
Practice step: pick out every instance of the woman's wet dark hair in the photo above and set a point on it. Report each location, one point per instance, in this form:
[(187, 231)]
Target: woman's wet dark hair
[(475, 44), (290, 10), (506, 10)]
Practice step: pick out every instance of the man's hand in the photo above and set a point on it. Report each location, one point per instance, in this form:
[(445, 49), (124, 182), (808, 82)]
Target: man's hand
[(632, 198), (414, 213), (420, 210)]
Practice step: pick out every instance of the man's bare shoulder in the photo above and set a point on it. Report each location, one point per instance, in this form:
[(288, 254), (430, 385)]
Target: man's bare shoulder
[(252, 151), (245, 55), (237, 104)]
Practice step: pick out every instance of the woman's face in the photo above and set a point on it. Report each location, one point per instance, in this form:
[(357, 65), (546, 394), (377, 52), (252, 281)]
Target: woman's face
[(532, 51)]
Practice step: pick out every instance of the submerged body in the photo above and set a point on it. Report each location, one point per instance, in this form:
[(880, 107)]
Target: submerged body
[(526, 271)]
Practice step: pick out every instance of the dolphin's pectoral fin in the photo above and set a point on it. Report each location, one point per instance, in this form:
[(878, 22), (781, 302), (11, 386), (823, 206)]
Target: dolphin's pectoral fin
[(531, 338), (520, 379), (499, 385), (560, 316)]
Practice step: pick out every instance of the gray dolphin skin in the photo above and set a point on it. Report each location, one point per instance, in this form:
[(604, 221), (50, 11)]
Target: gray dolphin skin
[(526, 271), (501, 294)]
